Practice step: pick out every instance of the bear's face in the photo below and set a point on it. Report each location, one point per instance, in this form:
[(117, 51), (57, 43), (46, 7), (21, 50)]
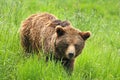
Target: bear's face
[(69, 42)]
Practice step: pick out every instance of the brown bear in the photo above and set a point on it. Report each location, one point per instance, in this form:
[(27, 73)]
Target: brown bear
[(44, 32)]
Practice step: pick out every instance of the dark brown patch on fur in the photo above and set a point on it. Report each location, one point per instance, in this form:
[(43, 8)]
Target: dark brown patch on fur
[(65, 23), (59, 22), (55, 23)]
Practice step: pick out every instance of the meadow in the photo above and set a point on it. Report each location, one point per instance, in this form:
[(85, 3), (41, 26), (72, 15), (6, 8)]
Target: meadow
[(100, 59)]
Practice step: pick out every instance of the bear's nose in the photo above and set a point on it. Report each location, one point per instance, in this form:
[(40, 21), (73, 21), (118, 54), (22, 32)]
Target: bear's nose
[(70, 55)]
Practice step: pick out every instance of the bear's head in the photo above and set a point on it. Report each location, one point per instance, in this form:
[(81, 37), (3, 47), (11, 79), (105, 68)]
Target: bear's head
[(69, 42)]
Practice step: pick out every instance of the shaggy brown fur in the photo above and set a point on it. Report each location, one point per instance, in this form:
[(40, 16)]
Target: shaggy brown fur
[(45, 32)]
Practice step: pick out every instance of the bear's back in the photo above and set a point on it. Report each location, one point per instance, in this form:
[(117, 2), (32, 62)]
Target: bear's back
[(34, 29)]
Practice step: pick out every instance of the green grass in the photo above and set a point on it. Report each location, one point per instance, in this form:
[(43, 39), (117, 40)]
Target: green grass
[(100, 59)]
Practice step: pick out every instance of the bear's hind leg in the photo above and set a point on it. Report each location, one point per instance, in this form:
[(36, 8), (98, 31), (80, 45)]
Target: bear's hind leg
[(26, 44)]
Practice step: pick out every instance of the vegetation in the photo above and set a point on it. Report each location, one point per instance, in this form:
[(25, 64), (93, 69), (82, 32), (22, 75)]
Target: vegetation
[(100, 59)]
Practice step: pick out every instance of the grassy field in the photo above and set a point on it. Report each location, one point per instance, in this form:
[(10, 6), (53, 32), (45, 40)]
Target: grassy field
[(100, 59)]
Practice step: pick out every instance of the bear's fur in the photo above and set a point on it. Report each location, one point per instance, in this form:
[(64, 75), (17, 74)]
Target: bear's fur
[(58, 38)]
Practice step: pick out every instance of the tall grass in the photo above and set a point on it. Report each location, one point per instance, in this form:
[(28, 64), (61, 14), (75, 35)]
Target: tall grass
[(100, 59)]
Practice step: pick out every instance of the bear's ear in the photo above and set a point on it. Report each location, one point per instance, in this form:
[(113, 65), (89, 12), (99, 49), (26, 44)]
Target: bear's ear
[(55, 23), (60, 31), (85, 35)]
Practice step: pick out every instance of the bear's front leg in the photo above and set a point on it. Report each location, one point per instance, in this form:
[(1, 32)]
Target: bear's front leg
[(68, 65)]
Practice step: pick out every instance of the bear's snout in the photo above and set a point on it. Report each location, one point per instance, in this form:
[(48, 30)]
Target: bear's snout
[(70, 53)]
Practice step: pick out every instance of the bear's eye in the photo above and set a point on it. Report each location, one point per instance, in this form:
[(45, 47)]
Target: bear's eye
[(77, 46), (65, 45)]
